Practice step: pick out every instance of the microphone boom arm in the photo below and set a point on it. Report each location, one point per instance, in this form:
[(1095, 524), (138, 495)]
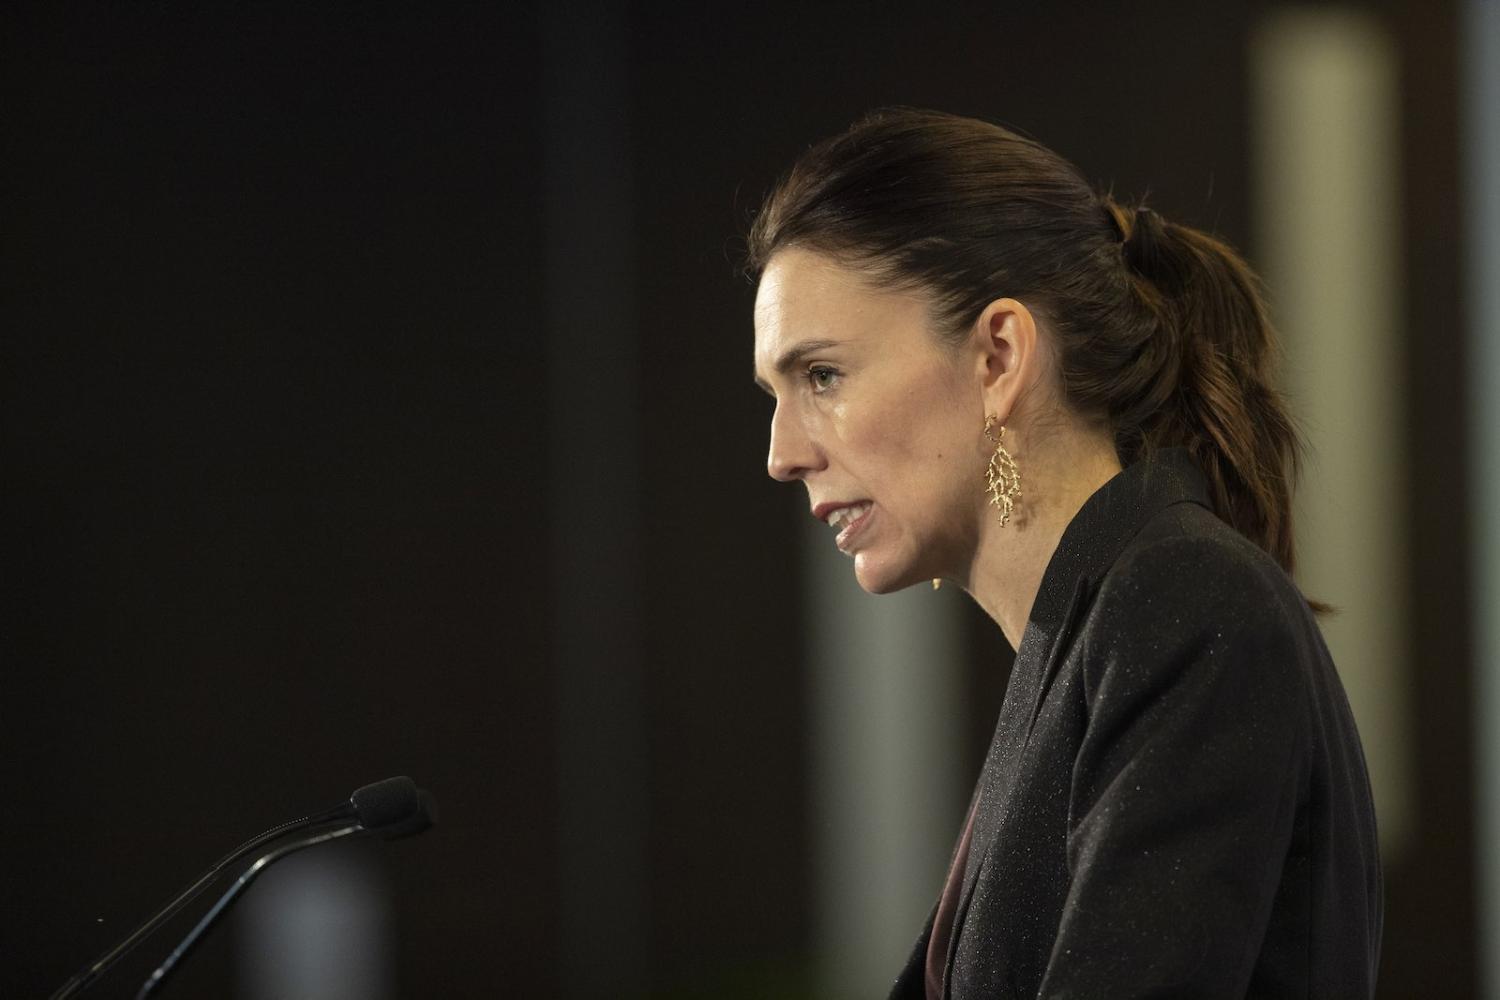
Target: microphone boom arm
[(83, 979), (233, 893)]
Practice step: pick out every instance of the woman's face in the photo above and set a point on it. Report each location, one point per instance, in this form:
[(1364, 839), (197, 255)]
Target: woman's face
[(880, 421)]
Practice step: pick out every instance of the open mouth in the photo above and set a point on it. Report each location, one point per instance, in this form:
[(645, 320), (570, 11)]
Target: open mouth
[(848, 520)]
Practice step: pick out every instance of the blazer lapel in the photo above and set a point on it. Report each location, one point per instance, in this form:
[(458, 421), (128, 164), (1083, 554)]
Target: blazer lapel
[(1061, 643)]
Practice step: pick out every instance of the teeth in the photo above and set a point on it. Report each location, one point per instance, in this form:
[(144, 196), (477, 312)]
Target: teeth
[(845, 516)]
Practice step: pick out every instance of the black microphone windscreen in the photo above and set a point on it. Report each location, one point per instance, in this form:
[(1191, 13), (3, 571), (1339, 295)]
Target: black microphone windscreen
[(424, 816), (383, 803)]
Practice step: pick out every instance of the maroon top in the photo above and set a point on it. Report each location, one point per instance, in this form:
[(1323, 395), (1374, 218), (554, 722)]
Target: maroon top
[(942, 923)]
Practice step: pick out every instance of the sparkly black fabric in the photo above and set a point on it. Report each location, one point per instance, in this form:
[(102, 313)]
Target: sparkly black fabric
[(1175, 802)]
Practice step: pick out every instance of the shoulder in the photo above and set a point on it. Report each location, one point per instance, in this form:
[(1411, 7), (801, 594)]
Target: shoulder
[(1190, 597), (1186, 562)]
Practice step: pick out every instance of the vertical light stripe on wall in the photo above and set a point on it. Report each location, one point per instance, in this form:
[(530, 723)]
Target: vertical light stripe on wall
[(1328, 220), (887, 777), (318, 927), (594, 502), (1481, 140)]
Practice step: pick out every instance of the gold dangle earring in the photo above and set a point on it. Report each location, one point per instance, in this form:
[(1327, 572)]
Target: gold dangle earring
[(1002, 478)]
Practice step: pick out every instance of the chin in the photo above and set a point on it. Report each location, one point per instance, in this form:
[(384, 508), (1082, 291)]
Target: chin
[(876, 577)]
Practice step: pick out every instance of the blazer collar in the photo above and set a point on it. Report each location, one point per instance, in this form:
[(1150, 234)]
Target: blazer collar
[(1105, 523)]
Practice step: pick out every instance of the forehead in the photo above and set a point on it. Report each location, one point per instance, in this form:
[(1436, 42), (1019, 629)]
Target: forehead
[(805, 296), (798, 286)]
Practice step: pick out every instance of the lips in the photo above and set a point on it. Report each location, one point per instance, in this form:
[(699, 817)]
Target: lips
[(845, 518)]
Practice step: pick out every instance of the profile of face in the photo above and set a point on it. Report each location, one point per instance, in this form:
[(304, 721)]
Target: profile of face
[(880, 419)]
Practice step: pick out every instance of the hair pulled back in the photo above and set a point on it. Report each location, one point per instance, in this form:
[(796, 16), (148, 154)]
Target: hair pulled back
[(1159, 329)]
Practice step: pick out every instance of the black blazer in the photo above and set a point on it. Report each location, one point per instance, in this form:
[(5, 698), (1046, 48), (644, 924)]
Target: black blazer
[(1175, 802)]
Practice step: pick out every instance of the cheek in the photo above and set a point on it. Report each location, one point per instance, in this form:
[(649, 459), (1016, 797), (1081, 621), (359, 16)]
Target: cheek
[(913, 445), (885, 444)]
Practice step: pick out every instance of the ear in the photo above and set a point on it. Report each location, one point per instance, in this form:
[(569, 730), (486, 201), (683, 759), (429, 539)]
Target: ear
[(1009, 357)]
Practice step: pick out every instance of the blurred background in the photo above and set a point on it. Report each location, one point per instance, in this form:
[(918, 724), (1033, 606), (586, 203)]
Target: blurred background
[(377, 400)]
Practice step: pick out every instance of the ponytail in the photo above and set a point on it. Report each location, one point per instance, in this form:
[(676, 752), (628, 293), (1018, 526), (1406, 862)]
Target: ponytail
[(1216, 396)]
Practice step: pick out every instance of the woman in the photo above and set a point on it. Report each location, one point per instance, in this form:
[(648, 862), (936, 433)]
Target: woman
[(985, 373)]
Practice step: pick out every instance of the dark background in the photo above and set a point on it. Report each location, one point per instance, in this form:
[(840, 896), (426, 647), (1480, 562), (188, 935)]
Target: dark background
[(331, 416)]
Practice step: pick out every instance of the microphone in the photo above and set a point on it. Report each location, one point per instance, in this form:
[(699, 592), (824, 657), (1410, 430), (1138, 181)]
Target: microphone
[(371, 806), (391, 813), (383, 803)]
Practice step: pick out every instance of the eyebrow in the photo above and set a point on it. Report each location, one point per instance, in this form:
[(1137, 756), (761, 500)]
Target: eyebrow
[(794, 354)]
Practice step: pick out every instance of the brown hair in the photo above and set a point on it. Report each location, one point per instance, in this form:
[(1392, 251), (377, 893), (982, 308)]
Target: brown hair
[(1159, 329)]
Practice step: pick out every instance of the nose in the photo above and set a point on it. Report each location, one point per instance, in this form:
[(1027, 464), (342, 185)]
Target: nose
[(793, 452)]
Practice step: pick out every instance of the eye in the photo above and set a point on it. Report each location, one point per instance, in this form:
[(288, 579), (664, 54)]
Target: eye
[(822, 378)]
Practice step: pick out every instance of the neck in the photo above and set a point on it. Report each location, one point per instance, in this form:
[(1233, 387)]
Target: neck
[(1009, 562)]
